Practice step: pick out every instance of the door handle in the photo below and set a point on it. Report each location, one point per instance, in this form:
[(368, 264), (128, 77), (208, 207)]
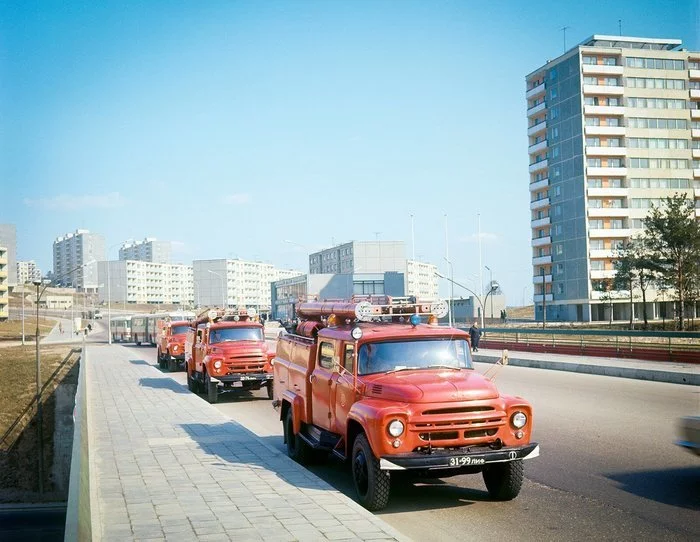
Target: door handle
[(312, 377)]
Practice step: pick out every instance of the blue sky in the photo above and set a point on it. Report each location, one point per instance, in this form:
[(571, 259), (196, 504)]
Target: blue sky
[(228, 127)]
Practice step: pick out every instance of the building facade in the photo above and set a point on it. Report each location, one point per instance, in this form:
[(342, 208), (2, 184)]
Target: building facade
[(75, 257), (4, 286), (236, 283), (27, 272), (613, 128), (148, 250), (360, 257), (8, 239), (138, 282), (422, 280)]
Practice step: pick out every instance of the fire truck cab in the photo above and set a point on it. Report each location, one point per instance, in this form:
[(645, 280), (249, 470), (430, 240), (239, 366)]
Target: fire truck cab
[(374, 385), (170, 341), (226, 350)]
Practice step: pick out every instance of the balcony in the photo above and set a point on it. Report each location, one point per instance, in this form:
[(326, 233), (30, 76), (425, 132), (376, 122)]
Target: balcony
[(603, 110), (606, 151), (539, 222), (3, 273), (603, 90), (696, 153), (538, 279), (695, 133), (539, 89), (605, 130), (696, 173), (607, 192), (612, 212), (537, 298), (603, 69), (538, 166), (541, 241), (610, 233), (537, 147), (539, 204), (694, 94), (602, 273), (695, 114), (542, 260), (595, 171), (694, 74), (536, 186), (536, 109), (537, 128), (601, 253)]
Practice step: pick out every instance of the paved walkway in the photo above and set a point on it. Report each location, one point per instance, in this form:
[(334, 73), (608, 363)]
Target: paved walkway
[(169, 466), (658, 371)]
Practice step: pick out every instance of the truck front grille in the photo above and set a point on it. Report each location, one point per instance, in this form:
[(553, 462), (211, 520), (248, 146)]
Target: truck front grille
[(253, 363)]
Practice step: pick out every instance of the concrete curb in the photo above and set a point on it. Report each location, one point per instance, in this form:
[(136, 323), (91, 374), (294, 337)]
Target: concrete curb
[(671, 377)]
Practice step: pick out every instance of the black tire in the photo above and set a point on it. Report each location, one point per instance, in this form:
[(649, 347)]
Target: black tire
[(160, 359), (297, 449), (191, 384), (270, 390), (504, 480), (171, 362), (211, 389), (372, 484)]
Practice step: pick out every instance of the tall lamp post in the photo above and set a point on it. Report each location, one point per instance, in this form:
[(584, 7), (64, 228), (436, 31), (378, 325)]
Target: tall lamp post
[(223, 290), (452, 292), (490, 287), (494, 287)]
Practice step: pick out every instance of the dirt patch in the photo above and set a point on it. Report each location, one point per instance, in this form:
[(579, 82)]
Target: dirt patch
[(19, 449)]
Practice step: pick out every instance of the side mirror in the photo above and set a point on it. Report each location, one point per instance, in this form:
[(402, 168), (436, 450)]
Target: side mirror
[(504, 357)]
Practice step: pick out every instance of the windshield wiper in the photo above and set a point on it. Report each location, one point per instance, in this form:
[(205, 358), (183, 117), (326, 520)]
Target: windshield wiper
[(397, 369), (441, 366)]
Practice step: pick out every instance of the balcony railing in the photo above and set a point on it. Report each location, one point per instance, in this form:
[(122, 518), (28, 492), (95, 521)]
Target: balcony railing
[(613, 212), (536, 186), (539, 203), (537, 298), (607, 192), (541, 241), (602, 69), (538, 279), (537, 147), (536, 128), (607, 90), (536, 109), (534, 91), (539, 222), (605, 130), (537, 166), (604, 110), (596, 171), (542, 260)]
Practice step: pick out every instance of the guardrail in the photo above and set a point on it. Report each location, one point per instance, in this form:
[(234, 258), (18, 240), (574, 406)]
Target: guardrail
[(675, 346)]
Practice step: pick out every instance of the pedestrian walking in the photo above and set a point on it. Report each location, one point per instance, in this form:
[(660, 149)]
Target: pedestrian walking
[(60, 328), (475, 335)]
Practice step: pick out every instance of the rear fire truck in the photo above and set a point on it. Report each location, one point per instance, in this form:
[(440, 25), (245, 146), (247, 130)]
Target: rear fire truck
[(226, 350), (170, 340), (375, 386)]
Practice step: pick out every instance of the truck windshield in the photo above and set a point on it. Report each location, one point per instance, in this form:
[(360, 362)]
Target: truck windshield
[(236, 334), (177, 330), (382, 357)]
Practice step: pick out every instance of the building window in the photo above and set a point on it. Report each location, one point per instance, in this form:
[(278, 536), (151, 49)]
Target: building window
[(559, 288), (558, 249)]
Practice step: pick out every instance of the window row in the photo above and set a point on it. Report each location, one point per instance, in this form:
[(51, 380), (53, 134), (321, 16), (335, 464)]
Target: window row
[(602, 100), (654, 63), (617, 224), (658, 163), (605, 81), (605, 203), (655, 82), (656, 143), (655, 103), (603, 60), (609, 142), (663, 124), (645, 203), (611, 162), (599, 244), (595, 182), (603, 121), (660, 183)]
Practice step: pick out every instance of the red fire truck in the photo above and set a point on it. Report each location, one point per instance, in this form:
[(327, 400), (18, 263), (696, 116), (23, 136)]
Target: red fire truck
[(374, 385), (226, 350)]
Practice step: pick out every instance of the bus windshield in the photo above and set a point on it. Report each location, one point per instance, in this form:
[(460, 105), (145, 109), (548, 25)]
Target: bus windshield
[(236, 334), (382, 357)]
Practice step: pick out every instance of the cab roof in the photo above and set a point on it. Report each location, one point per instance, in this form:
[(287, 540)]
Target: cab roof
[(372, 331)]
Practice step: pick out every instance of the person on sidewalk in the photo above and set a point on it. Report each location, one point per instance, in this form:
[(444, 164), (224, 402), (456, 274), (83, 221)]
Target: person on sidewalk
[(475, 335)]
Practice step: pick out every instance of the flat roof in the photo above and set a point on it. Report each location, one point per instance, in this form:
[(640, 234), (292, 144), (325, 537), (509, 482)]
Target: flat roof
[(601, 40)]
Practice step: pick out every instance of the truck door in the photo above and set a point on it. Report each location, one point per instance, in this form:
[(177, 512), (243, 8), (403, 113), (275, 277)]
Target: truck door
[(321, 383), (344, 395), (198, 350)]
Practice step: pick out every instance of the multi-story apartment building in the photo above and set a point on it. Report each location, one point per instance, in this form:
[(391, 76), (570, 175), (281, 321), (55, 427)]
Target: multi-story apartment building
[(236, 283), (613, 128), (360, 257), (422, 280), (148, 250), (134, 281), (75, 257), (8, 239), (4, 287), (27, 272)]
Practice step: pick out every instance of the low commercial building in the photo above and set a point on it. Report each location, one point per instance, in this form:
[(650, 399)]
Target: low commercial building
[(138, 282), (59, 302)]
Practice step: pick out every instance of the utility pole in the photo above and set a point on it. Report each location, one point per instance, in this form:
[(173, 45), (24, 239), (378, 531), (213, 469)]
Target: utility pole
[(481, 277), (564, 28)]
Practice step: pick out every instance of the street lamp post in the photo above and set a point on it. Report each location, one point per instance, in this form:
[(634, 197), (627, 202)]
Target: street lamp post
[(223, 290), (490, 287), (452, 292), (23, 296), (39, 413), (478, 298)]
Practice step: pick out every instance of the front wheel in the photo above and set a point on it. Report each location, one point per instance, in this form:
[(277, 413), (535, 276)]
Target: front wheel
[(211, 389), (504, 480), (172, 363), (270, 389), (191, 384), (297, 449), (371, 483)]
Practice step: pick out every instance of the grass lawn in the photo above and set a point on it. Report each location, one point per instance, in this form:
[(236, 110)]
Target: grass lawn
[(11, 330)]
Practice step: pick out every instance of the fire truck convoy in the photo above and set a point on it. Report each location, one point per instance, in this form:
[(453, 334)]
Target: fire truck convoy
[(373, 385), (226, 350)]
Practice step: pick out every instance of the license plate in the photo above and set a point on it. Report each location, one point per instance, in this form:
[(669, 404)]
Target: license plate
[(465, 460), (237, 384)]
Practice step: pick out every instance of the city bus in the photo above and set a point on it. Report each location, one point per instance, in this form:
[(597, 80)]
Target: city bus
[(120, 328)]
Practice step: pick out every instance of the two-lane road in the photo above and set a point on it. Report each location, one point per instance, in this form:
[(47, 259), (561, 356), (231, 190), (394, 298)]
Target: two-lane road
[(608, 471)]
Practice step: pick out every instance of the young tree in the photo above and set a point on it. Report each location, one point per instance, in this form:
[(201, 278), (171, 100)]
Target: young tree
[(636, 267), (626, 274), (672, 234)]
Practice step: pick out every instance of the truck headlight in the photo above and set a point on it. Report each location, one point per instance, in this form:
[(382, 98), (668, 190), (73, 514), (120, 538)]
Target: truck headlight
[(396, 428), (175, 348), (519, 419), (217, 364)]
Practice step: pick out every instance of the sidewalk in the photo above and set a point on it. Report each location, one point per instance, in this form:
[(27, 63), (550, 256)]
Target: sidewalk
[(169, 466), (658, 371)]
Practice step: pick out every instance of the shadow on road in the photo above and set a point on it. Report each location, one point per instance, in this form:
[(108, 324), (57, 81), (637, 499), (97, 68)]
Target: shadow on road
[(139, 362), (163, 383), (677, 487)]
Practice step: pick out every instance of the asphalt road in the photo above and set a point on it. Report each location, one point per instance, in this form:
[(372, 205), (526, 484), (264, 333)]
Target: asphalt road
[(608, 468)]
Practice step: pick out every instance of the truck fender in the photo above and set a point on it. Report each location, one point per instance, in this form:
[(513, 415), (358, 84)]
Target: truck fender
[(366, 421), (296, 403)]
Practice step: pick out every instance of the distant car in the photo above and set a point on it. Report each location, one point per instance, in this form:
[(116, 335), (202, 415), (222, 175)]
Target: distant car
[(97, 315), (689, 433)]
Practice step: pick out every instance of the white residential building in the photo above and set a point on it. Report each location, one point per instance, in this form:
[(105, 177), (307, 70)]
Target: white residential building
[(422, 280), (70, 254), (137, 282), (148, 250), (4, 296), (27, 272), (236, 283)]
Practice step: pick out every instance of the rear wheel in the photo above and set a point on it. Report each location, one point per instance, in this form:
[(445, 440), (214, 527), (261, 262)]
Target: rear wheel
[(211, 389), (297, 449), (371, 483), (191, 384), (504, 480), (270, 389)]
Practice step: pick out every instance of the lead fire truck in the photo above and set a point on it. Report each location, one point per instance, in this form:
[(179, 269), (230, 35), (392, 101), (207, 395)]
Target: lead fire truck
[(375, 385), (226, 350)]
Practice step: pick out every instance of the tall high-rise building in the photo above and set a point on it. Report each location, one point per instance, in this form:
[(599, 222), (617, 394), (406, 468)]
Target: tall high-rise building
[(360, 257), (613, 128), (75, 257), (27, 272), (8, 239), (148, 250)]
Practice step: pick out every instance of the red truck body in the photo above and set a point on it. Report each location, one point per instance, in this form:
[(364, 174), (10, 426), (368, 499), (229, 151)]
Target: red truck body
[(396, 396), (170, 341)]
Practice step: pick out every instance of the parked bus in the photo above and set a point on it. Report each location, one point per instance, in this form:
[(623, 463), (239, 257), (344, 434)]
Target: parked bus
[(156, 321), (120, 328)]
